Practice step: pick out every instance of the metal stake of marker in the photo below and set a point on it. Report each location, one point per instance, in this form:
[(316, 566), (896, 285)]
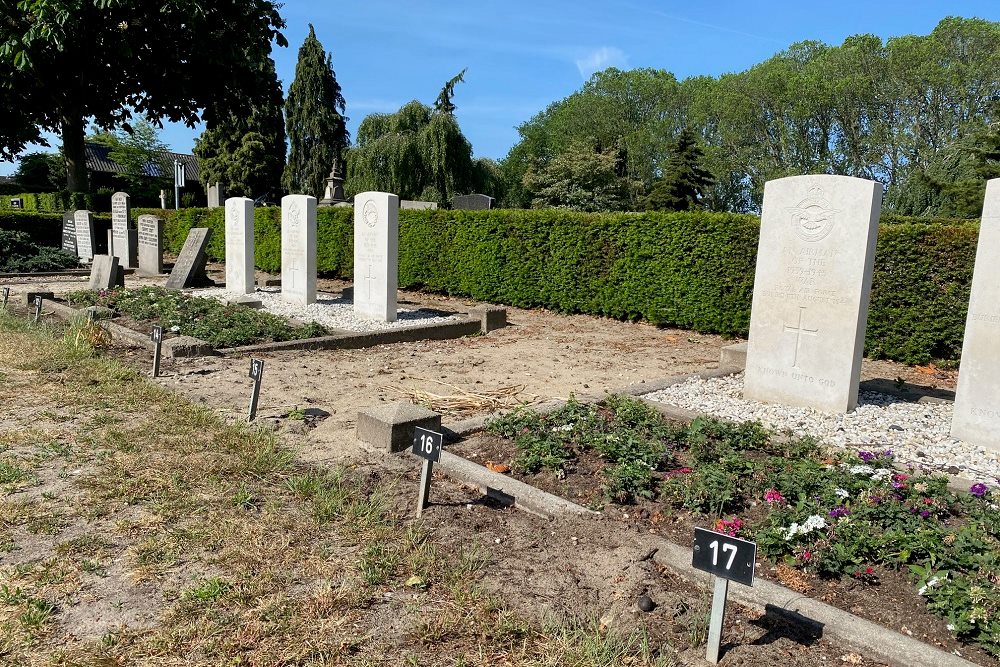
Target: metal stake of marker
[(257, 373), (425, 486), (6, 295), (38, 308), (157, 337), (715, 623)]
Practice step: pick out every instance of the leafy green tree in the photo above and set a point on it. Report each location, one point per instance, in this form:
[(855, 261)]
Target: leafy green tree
[(582, 179), (247, 153), (416, 153), (314, 117), (64, 62), (443, 104), (140, 154), (684, 181), (40, 172)]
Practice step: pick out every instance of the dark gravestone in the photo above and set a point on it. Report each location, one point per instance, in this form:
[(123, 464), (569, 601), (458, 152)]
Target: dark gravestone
[(472, 202), (17, 202), (69, 233), (103, 272), (189, 270)]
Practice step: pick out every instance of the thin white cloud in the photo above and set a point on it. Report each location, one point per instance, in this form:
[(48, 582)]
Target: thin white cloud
[(602, 58), (374, 105)]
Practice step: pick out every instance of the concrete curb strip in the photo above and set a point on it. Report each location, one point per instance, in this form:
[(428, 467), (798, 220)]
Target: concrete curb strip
[(844, 628)]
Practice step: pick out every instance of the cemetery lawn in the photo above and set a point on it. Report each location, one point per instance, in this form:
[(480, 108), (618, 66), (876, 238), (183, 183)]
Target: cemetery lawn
[(207, 319), (849, 527), (137, 528)]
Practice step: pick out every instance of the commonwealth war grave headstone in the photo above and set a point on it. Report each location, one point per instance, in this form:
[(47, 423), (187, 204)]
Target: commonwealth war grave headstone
[(977, 411), (811, 291), (240, 276), (124, 236), (189, 269), (150, 237), (69, 233), (83, 224), (376, 255), (298, 249), (472, 202), (103, 272)]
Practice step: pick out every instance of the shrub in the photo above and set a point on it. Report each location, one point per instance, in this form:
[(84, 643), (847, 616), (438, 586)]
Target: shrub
[(18, 253)]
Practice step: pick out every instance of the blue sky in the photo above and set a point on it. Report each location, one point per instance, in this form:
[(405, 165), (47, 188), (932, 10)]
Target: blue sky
[(521, 56)]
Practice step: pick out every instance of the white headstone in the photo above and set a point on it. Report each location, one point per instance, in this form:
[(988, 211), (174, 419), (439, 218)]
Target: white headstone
[(84, 224), (240, 246), (811, 291), (298, 249), (124, 243), (977, 398), (376, 255)]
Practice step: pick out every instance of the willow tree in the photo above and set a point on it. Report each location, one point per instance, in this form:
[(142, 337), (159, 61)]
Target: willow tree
[(416, 153), (314, 117)]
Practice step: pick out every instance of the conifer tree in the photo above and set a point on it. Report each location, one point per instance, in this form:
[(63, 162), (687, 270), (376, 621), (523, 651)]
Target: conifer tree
[(684, 180), (314, 118)]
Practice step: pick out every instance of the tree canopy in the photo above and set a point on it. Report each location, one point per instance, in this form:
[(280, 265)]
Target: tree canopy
[(683, 182), (314, 117), (902, 112), (182, 60)]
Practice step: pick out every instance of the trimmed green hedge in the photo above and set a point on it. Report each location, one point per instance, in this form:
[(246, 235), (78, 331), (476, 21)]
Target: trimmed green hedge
[(693, 270), (57, 202), (45, 229)]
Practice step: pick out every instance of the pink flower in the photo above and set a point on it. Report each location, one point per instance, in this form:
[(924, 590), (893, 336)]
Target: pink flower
[(728, 527), (773, 496)]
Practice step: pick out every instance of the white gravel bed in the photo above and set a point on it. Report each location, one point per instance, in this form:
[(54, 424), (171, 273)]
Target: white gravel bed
[(332, 311), (917, 433)]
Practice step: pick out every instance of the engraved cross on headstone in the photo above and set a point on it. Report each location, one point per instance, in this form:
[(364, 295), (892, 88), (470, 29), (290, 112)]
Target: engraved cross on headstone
[(799, 330), (369, 278)]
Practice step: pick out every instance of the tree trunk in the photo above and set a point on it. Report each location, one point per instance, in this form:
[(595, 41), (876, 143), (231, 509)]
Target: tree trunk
[(73, 152)]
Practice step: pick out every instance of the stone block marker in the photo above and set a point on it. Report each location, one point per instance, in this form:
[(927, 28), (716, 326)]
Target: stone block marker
[(298, 249), (390, 426), (240, 276), (492, 317), (186, 346), (83, 224), (376, 255), (103, 273), (150, 241), (811, 291), (29, 297), (69, 233), (190, 266), (124, 237), (733, 356), (977, 397)]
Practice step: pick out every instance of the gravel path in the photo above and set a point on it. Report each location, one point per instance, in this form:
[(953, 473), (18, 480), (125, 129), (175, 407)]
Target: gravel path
[(333, 312), (916, 432)]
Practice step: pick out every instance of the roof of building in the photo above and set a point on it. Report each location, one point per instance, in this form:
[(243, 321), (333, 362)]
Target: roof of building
[(99, 161)]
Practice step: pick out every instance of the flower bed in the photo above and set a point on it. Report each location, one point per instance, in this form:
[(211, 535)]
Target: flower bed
[(830, 516), (207, 319)]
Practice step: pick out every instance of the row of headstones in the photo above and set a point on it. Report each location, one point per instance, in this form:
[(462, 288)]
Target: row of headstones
[(376, 251), (811, 295), (138, 247)]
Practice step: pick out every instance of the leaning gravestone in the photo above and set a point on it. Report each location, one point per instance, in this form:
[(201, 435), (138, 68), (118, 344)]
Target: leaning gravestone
[(408, 205), (189, 269), (376, 255), (240, 276), (103, 272), (150, 238), (472, 202), (811, 290), (69, 233), (298, 249), (125, 240), (977, 409), (83, 223)]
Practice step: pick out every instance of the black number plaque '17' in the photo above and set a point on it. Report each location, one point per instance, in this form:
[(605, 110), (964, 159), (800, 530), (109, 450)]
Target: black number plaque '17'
[(724, 556)]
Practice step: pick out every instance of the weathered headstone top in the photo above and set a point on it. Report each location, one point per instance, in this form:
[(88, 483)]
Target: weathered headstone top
[(189, 269), (376, 255), (298, 249), (811, 291), (240, 276), (83, 223), (69, 233), (103, 272), (150, 237), (472, 202), (408, 205), (216, 195), (124, 242), (977, 398)]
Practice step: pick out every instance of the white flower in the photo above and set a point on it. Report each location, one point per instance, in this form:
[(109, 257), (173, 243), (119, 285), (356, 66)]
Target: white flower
[(842, 493), (951, 627), (812, 523), (564, 427), (934, 581), (175, 328)]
